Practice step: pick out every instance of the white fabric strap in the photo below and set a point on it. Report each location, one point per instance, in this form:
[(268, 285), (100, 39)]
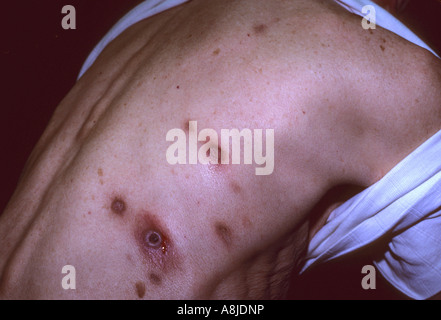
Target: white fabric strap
[(142, 11)]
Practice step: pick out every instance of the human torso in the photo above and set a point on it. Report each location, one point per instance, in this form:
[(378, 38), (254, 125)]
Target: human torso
[(342, 108)]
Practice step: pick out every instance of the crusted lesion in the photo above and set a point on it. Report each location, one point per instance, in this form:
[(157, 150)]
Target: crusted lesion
[(155, 243)]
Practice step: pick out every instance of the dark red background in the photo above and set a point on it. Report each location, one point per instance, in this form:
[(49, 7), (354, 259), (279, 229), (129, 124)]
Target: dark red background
[(39, 64)]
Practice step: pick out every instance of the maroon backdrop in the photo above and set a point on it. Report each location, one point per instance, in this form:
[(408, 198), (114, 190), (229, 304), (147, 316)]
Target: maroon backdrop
[(39, 64)]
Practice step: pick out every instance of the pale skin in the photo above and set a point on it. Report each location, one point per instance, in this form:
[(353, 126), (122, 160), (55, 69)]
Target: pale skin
[(97, 192)]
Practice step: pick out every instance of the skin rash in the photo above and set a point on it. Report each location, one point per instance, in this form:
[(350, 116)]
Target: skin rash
[(98, 193)]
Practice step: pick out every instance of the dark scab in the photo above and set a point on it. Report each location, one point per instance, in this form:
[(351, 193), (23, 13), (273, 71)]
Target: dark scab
[(155, 279), (140, 289), (224, 233), (118, 206)]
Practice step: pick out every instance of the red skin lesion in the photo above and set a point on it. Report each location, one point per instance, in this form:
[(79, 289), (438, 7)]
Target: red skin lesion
[(148, 229)]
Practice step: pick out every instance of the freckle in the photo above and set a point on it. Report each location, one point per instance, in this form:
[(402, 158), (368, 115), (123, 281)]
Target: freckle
[(187, 176), (223, 232), (155, 279), (235, 187), (216, 52), (260, 28), (140, 289), (118, 206), (382, 48), (89, 213), (100, 172), (101, 182), (129, 257), (370, 31), (246, 222)]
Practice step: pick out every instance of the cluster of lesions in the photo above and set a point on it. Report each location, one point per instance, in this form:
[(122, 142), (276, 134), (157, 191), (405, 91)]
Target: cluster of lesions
[(149, 233), (152, 240)]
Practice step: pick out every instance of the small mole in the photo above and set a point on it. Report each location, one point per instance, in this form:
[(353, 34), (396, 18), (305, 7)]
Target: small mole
[(260, 28), (140, 289), (223, 232), (155, 279), (382, 48), (118, 206), (186, 125), (216, 52), (100, 172), (303, 111), (370, 31), (177, 87)]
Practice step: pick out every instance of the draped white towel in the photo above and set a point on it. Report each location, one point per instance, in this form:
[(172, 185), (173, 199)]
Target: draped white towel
[(404, 208)]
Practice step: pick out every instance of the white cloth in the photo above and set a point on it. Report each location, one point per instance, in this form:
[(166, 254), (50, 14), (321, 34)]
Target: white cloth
[(404, 206)]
